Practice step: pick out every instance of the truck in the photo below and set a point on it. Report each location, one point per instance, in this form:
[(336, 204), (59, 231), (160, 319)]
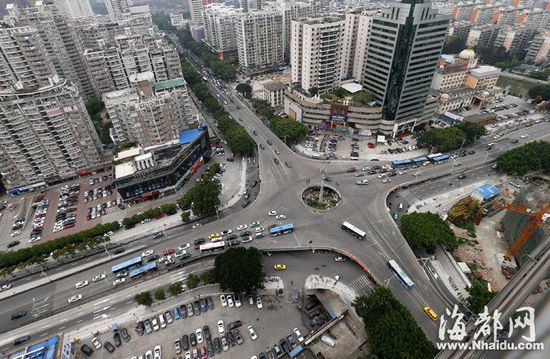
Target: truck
[(328, 340), (362, 182)]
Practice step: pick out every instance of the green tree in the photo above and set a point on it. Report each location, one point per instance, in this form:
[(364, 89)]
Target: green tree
[(143, 298), (159, 294), (540, 91), (391, 329), (426, 230), (192, 281), (363, 97), (207, 198), (313, 91), (185, 217), (454, 44), (472, 131), (480, 296), (175, 289), (208, 277), (287, 129), (94, 106), (442, 139), (240, 270), (532, 156), (245, 89), (163, 22)]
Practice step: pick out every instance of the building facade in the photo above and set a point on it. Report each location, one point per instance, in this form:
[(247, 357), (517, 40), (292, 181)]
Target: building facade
[(292, 11), (219, 27), (260, 40), (74, 9), (403, 48), (46, 134), (539, 49), (118, 8)]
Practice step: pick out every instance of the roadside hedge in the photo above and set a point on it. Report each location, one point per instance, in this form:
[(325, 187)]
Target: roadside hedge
[(166, 209), (39, 252)]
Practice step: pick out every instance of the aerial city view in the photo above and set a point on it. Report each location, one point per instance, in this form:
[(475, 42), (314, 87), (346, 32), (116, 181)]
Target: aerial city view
[(262, 179)]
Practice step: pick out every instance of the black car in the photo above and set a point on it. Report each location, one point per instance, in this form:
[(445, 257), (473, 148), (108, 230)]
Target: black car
[(232, 237), (153, 258), (140, 328), (253, 184), (18, 315), (204, 306), (246, 234), (148, 326), (199, 241), (86, 350), (234, 325), (288, 164), (230, 159), (269, 142), (234, 243), (21, 340), (262, 146), (217, 345), (471, 152), (197, 307), (462, 176), (185, 342), (210, 348), (231, 339), (118, 250), (109, 347), (209, 303), (125, 336), (276, 161), (13, 244), (238, 337), (245, 204), (116, 338), (285, 345), (262, 356), (193, 339), (255, 132), (183, 311)]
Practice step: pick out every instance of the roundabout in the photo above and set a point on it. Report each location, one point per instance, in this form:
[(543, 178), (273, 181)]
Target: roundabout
[(321, 198)]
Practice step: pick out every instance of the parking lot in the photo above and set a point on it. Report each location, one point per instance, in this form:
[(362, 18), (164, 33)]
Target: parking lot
[(270, 324)]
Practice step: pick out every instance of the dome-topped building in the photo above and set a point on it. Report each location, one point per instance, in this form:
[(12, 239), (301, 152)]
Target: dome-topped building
[(467, 54)]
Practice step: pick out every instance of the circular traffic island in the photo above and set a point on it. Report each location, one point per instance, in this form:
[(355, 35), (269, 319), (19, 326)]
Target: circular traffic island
[(322, 200)]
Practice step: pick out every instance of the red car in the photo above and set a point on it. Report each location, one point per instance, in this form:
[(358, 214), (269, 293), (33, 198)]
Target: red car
[(371, 145), (168, 251), (351, 169), (159, 216)]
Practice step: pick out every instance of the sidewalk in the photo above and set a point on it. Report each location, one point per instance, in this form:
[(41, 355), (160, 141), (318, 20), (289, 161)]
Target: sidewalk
[(301, 150)]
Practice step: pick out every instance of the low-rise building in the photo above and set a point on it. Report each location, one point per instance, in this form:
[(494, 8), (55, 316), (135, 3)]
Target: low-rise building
[(274, 93), (144, 173)]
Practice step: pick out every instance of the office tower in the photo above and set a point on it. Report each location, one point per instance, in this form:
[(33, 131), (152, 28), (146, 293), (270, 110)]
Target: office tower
[(149, 113), (74, 9), (61, 43), (404, 45), (316, 52), (196, 8), (260, 40), (219, 27), (117, 8), (46, 134), (292, 11)]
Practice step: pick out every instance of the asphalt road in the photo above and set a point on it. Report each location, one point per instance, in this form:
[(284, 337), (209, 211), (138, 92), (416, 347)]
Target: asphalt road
[(281, 188)]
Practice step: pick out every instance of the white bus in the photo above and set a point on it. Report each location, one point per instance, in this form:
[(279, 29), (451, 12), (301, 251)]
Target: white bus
[(346, 226), (209, 247)]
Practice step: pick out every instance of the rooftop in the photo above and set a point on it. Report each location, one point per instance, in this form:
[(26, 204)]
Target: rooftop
[(188, 136), (352, 87), (275, 86), (485, 71), (131, 152), (124, 169), (162, 85)]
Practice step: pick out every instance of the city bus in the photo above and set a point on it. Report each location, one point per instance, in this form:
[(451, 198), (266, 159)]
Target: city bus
[(401, 163), (127, 265), (210, 247), (400, 274), (350, 228), (143, 270), (283, 229)]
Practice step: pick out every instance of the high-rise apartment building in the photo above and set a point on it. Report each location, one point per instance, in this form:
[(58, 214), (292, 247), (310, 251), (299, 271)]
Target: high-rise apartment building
[(356, 34), (316, 52), (539, 49), (149, 113), (60, 41), (126, 50), (117, 8), (260, 40), (404, 45), (292, 11), (250, 5), (74, 9), (219, 27), (46, 134), (196, 8)]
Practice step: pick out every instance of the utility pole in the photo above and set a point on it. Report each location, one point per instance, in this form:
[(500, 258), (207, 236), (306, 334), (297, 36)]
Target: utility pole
[(322, 185)]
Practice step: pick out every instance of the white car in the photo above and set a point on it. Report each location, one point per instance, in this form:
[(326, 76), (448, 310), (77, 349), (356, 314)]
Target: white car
[(272, 213), (252, 333), (222, 299), (75, 298), (188, 355), (199, 335), (281, 216), (298, 335), (221, 327), (81, 284), (230, 300), (6, 286), (149, 354), (524, 135), (339, 259), (196, 225), (155, 324), (157, 353), (184, 246), (98, 277), (259, 304), (237, 301), (147, 253), (246, 239), (16, 233), (242, 227), (110, 233), (119, 281), (35, 239), (96, 343)]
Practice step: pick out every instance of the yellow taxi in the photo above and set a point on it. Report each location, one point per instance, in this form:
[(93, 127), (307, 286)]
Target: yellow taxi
[(430, 312), (279, 267), (214, 235)]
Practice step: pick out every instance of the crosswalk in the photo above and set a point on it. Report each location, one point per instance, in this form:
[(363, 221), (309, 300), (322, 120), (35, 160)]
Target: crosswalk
[(360, 285), (41, 306)]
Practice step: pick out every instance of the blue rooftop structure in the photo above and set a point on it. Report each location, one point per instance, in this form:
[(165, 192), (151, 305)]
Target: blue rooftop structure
[(188, 136), (127, 264), (143, 269), (487, 191)]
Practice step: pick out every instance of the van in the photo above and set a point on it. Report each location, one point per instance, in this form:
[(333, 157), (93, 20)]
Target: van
[(259, 234), (161, 321), (400, 206), (328, 340)]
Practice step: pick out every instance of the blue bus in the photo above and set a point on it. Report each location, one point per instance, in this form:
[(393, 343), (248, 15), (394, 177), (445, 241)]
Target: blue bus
[(401, 163), (420, 160), (130, 263), (400, 274), (143, 270), (283, 229), (439, 159)]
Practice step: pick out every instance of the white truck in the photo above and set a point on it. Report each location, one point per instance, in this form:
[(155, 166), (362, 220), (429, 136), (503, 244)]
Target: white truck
[(362, 182)]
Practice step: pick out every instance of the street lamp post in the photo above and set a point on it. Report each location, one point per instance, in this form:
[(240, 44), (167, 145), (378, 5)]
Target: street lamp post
[(106, 250)]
